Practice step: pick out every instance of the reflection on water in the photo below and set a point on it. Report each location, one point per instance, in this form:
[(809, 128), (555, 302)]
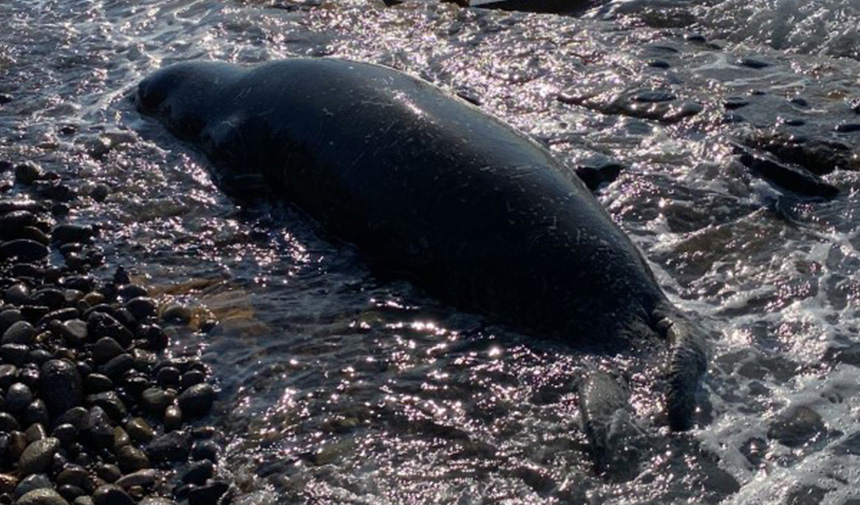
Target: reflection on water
[(342, 387)]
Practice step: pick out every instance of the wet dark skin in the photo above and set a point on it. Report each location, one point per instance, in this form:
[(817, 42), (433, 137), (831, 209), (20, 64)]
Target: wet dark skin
[(431, 188)]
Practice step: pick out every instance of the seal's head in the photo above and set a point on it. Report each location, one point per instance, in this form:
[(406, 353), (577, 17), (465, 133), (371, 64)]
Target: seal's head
[(184, 96)]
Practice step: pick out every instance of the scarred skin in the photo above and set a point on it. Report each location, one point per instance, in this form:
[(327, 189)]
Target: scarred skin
[(429, 187)]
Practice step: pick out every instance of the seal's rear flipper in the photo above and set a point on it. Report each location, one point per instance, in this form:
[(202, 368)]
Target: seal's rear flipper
[(686, 367), (608, 421)]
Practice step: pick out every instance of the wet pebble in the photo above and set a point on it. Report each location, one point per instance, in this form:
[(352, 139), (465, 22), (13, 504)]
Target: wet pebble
[(197, 400), (173, 446), (796, 426), (208, 494), (847, 128), (62, 388), (42, 497), (27, 173), (37, 456), (23, 250), (753, 63), (111, 494), (21, 332)]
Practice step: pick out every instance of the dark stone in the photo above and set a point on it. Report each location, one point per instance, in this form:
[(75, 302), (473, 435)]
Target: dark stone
[(658, 64), (52, 298), (23, 250), (733, 103), (793, 122), (74, 331), (21, 332), (208, 494), (131, 459), (118, 365), (191, 378), (100, 324), (27, 173), (168, 377), (655, 96), (97, 428), (43, 496), (110, 402), (847, 128), (205, 450), (105, 349), (61, 386), (97, 383), (110, 494), (66, 434), (171, 447), (141, 307), (9, 317), (197, 400), (18, 396), (199, 472), (37, 412), (76, 416), (129, 291), (72, 233), (792, 178), (156, 400), (8, 423), (38, 456), (753, 63), (60, 315), (800, 102)]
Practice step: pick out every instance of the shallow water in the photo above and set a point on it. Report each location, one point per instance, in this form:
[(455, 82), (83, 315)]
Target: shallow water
[(341, 387)]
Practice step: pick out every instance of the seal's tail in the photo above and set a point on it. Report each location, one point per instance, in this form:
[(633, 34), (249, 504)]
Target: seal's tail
[(686, 367)]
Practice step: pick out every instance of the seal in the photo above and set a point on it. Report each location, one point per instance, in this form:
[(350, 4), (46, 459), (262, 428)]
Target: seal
[(433, 189)]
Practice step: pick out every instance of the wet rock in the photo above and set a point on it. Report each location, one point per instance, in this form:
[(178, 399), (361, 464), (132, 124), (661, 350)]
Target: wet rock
[(733, 103), (72, 233), (793, 122), (106, 349), (156, 500), (111, 494), (21, 332), (42, 497), (101, 325), (205, 449), (35, 432), (172, 418), (8, 423), (847, 128), (27, 173), (18, 396), (139, 430), (72, 475), (790, 177), (657, 63), (23, 250), (61, 386), (141, 478), (9, 317), (110, 403), (654, 96), (118, 365), (208, 494), (66, 434), (753, 63), (196, 401), (74, 331), (98, 383), (131, 459), (37, 456), (796, 426), (98, 428), (198, 473), (156, 400), (170, 447), (141, 307), (191, 378)]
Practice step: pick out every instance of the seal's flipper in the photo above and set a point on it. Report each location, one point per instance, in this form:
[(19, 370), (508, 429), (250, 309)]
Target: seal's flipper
[(686, 367), (608, 421)]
